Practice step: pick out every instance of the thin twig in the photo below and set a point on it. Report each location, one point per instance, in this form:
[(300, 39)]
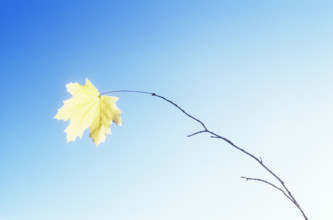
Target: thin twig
[(174, 104), (269, 183), (195, 133), (284, 188)]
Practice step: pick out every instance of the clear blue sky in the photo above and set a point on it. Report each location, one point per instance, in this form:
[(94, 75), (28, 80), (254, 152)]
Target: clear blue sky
[(257, 72)]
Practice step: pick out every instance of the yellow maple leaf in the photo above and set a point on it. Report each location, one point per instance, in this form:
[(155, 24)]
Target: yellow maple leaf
[(88, 109)]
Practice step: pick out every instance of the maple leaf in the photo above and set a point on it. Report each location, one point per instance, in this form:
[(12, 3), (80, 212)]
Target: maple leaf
[(88, 109)]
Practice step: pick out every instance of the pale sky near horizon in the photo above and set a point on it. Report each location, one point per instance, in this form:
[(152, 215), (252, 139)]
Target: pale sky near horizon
[(257, 72)]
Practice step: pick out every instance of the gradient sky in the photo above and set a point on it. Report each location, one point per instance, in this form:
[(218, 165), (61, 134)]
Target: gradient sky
[(257, 72)]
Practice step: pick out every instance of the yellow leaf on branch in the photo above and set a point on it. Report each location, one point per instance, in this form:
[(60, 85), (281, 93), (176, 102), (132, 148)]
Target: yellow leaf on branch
[(88, 109)]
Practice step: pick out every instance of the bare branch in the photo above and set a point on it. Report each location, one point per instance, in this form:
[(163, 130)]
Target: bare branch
[(195, 133), (269, 183), (284, 188), (174, 104), (259, 160)]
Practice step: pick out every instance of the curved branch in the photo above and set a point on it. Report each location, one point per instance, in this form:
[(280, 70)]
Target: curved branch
[(259, 160), (269, 183), (187, 114), (285, 189)]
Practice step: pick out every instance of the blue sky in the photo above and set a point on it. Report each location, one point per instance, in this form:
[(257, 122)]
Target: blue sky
[(257, 72)]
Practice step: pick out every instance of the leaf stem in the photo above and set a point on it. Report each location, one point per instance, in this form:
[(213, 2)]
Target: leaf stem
[(132, 91)]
